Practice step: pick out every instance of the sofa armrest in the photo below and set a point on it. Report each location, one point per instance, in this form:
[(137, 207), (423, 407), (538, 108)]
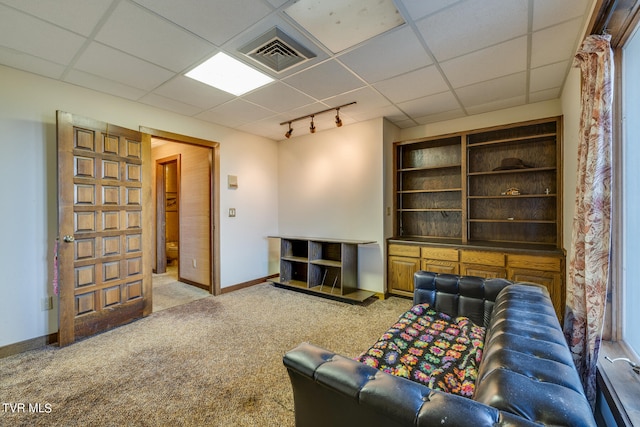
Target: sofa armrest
[(330, 389)]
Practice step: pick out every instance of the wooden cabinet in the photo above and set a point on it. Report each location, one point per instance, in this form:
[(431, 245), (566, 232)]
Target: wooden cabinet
[(544, 270), (497, 185), (520, 265), (429, 188), (483, 264), (513, 184), (485, 203), (323, 266)]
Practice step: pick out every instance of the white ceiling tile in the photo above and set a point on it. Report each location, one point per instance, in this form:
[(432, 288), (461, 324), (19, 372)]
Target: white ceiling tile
[(493, 91), (365, 99), (213, 20), (549, 76), (235, 113), (486, 64), (420, 8), (38, 38), (429, 105), (544, 95), (279, 97), (554, 44), (439, 117), (339, 25), (550, 12), (499, 104), (79, 16), (141, 33), (473, 25), (403, 52), (193, 92), (22, 61), (325, 80), (114, 65), (170, 104), (413, 85), (103, 85)]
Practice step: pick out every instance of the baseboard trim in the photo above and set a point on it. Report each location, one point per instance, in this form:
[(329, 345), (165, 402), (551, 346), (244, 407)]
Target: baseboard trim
[(248, 284), (32, 344)]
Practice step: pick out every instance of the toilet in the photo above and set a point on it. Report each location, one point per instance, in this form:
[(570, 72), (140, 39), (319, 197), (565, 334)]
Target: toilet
[(172, 252)]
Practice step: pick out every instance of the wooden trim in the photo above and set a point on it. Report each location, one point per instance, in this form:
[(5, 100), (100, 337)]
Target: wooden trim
[(248, 284), (214, 191), (32, 344)]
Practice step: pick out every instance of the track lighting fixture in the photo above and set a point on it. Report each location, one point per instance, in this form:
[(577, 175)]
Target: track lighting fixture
[(312, 126)]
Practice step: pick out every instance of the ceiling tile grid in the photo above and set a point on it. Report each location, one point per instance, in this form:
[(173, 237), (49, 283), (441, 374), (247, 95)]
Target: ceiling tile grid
[(410, 61)]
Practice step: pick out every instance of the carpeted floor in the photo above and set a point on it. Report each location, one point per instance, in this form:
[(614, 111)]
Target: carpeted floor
[(216, 361), (168, 292)]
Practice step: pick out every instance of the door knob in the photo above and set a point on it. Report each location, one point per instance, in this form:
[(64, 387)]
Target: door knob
[(68, 238)]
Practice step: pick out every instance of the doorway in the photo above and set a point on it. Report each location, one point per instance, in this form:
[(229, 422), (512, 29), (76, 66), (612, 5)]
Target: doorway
[(185, 201)]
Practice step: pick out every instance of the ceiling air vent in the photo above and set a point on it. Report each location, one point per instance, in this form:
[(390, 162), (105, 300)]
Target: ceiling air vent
[(276, 50)]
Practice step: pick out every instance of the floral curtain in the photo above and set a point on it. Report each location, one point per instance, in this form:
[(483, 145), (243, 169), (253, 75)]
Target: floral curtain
[(591, 238)]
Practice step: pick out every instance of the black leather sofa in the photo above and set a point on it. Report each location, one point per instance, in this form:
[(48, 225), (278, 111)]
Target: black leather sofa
[(526, 376)]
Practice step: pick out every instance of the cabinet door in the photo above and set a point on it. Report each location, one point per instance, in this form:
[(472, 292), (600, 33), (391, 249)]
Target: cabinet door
[(550, 279), (485, 271), (439, 266), (400, 274)]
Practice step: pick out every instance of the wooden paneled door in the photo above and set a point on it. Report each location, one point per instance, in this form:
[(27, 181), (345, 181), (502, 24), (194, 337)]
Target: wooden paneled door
[(103, 197)]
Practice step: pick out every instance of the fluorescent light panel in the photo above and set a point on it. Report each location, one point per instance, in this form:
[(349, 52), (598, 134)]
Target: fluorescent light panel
[(228, 74)]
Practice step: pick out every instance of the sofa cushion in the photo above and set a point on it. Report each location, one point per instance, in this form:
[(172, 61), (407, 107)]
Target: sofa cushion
[(431, 348)]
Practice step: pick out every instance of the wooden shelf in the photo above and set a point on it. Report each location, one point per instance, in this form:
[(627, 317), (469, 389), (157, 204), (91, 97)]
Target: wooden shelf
[(519, 196), (434, 199), (451, 166), (503, 172)]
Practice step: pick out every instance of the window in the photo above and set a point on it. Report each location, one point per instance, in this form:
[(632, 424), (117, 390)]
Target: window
[(630, 197)]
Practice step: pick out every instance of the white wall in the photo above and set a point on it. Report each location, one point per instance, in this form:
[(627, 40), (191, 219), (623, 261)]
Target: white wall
[(571, 110), (28, 220), (331, 185)]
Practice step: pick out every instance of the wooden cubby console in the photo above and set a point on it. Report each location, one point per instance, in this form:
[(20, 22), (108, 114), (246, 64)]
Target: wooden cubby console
[(328, 267)]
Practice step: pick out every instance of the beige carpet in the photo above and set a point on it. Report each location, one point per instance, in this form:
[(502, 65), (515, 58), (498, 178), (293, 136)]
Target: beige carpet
[(216, 361), (168, 292)]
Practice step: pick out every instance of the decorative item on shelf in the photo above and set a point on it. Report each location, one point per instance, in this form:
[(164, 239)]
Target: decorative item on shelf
[(511, 163), (512, 191), (312, 127)]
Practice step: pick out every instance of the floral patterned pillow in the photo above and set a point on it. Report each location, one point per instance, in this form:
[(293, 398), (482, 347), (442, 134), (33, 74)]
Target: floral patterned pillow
[(431, 348)]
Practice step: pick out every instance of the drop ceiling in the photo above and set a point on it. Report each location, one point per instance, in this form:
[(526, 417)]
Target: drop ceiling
[(435, 60)]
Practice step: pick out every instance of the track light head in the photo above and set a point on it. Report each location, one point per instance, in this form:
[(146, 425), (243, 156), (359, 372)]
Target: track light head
[(289, 132), (338, 119), (312, 127)]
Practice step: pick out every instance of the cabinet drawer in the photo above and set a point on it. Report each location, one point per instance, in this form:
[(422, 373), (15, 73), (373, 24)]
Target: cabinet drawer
[(534, 262), (444, 254), (437, 266), (404, 250), (496, 259)]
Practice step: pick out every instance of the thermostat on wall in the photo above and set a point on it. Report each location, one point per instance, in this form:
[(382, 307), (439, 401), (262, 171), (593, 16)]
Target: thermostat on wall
[(233, 181)]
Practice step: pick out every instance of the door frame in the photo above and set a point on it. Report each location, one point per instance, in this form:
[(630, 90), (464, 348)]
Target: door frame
[(160, 218), (214, 192)]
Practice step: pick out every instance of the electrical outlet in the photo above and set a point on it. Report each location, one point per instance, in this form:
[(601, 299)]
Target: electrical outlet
[(47, 303), (232, 212)]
